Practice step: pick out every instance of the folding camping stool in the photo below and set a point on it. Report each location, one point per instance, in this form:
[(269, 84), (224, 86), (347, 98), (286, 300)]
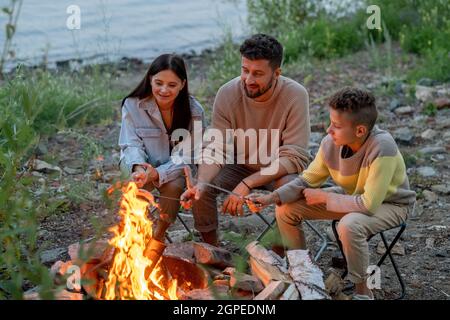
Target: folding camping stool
[(388, 248)]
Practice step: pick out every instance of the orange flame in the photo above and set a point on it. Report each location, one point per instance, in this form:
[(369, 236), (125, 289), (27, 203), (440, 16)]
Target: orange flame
[(126, 279)]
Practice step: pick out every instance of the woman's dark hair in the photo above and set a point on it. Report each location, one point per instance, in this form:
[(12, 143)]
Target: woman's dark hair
[(182, 110)]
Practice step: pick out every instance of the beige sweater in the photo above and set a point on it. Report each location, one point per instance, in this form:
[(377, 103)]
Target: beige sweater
[(287, 110)]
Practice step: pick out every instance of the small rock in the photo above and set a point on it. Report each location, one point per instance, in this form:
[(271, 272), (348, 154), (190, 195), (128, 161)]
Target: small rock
[(442, 103), (398, 249), (395, 103), (429, 134), (430, 196), (41, 149), (437, 228), (42, 166), (71, 171), (424, 93), (441, 188), (429, 243), (427, 82), (404, 110), (398, 87), (50, 256), (229, 271), (432, 150), (427, 172), (404, 135)]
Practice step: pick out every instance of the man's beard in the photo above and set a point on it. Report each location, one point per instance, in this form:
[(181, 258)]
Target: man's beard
[(261, 91)]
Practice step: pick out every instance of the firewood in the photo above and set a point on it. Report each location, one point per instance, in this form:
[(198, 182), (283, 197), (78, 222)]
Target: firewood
[(246, 282), (266, 272), (273, 290), (211, 255)]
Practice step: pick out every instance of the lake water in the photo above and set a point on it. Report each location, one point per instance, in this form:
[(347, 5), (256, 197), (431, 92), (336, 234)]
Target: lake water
[(115, 28), (111, 29)]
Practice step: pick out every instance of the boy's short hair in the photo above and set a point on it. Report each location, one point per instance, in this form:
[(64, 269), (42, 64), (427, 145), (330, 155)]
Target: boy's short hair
[(263, 46), (358, 103)]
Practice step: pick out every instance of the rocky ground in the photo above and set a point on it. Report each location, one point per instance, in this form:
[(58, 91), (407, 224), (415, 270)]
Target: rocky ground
[(417, 116)]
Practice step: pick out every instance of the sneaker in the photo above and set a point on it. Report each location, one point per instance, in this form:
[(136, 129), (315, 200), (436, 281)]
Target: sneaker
[(362, 297)]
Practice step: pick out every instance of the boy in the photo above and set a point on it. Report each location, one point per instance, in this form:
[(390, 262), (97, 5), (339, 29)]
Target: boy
[(373, 190)]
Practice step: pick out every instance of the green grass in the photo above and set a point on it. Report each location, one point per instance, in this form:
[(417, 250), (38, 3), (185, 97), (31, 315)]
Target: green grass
[(421, 27)]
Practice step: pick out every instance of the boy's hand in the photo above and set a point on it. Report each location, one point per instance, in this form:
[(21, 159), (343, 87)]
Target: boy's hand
[(263, 200), (315, 196)]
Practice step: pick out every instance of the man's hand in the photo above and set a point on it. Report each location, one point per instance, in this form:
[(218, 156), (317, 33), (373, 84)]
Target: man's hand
[(234, 204), (315, 196), (190, 194), (143, 174)]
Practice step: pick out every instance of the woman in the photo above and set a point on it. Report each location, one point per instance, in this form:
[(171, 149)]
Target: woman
[(158, 106)]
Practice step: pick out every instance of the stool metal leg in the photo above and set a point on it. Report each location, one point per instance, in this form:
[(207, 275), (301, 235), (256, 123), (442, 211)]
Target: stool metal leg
[(185, 226), (321, 236), (394, 264), (336, 236)]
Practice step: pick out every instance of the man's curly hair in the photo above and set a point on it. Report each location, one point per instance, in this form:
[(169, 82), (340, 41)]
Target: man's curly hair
[(262, 46), (358, 103)]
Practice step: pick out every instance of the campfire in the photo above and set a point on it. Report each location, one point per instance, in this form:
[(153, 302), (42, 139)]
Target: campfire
[(135, 265), (127, 274)]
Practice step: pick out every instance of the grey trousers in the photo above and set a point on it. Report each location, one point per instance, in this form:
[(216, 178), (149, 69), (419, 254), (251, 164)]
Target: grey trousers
[(205, 209), (353, 229)]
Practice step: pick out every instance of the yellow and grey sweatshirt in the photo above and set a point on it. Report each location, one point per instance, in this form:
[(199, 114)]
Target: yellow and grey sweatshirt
[(375, 174)]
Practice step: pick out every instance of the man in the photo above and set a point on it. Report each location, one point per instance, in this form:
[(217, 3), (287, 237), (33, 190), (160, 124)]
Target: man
[(263, 105)]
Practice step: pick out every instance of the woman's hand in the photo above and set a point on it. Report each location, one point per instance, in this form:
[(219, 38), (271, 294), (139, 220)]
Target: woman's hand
[(315, 196), (144, 173), (193, 193)]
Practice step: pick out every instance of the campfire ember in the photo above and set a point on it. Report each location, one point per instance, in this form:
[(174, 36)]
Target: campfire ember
[(127, 274)]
